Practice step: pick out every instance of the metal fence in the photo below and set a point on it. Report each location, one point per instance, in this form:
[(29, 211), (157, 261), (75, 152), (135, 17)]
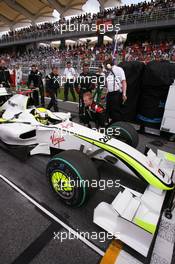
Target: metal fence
[(147, 17)]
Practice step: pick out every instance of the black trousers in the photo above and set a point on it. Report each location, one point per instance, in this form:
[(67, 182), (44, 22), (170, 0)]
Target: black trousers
[(81, 103), (82, 110), (41, 90), (36, 96), (53, 102), (113, 106), (98, 118), (68, 86)]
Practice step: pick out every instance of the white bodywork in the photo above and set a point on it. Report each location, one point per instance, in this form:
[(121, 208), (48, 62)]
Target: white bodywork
[(168, 121), (122, 218), (19, 127), (133, 217), (64, 135)]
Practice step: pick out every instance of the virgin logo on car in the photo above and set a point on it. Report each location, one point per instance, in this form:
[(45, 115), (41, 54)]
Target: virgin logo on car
[(55, 139)]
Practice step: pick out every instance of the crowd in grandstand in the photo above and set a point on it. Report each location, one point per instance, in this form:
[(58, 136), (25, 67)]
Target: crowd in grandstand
[(142, 51), (142, 8), (145, 52), (47, 62)]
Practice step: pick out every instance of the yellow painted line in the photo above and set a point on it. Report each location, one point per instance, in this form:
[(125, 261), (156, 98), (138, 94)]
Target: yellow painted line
[(112, 252)]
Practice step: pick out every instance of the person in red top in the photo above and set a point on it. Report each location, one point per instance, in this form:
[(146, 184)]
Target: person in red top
[(13, 77), (94, 112)]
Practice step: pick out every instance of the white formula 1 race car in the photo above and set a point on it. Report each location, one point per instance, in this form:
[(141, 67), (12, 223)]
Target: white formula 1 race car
[(71, 173)]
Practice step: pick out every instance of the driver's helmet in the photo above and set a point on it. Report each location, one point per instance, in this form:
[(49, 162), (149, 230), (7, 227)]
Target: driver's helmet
[(41, 116)]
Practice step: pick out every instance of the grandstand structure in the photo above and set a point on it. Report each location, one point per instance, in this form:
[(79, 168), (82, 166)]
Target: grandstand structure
[(15, 12), (19, 12), (151, 22), (26, 12)]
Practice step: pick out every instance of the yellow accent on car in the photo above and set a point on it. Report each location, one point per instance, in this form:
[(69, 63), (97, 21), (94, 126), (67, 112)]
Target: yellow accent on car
[(42, 109), (2, 120), (170, 157), (61, 182), (145, 173), (145, 225)]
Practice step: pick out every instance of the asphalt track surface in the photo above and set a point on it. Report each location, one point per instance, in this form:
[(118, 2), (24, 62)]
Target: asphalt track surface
[(27, 234)]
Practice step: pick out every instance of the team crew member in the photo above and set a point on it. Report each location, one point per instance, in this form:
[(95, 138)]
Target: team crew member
[(35, 80), (84, 83), (100, 89), (69, 75), (5, 79), (18, 75), (116, 91), (52, 87), (94, 111)]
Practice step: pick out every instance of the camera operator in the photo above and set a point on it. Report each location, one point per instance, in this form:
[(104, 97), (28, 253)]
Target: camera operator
[(116, 91)]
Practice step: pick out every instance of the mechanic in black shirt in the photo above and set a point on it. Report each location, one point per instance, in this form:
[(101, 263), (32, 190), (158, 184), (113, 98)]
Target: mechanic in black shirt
[(84, 83), (52, 87), (5, 79), (35, 80)]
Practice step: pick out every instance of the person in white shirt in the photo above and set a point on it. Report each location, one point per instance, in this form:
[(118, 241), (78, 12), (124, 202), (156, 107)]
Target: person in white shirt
[(116, 91), (69, 75), (18, 75)]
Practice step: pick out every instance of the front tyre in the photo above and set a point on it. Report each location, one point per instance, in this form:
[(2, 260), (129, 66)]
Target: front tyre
[(70, 175), (124, 132)]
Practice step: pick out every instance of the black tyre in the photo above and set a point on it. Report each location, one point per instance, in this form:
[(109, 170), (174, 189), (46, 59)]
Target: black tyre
[(124, 132), (71, 174)]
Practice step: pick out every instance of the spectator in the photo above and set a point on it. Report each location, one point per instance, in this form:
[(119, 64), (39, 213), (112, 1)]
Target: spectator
[(134, 11)]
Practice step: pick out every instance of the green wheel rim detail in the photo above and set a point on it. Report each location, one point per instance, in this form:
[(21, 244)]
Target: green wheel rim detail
[(79, 176)]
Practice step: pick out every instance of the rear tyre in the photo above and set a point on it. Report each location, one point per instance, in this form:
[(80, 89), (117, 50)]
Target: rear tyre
[(124, 132), (70, 175)]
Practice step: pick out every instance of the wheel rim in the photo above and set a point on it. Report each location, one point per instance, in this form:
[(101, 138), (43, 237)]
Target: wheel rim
[(72, 173), (61, 184)]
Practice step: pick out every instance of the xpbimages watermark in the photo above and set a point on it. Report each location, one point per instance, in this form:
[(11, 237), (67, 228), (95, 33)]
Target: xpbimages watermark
[(101, 184), (101, 28), (105, 133), (81, 79), (99, 80), (100, 236)]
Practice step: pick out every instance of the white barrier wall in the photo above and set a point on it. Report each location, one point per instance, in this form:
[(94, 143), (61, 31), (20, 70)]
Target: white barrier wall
[(168, 121)]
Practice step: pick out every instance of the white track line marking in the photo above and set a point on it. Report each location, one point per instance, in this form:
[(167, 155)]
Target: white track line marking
[(72, 231)]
